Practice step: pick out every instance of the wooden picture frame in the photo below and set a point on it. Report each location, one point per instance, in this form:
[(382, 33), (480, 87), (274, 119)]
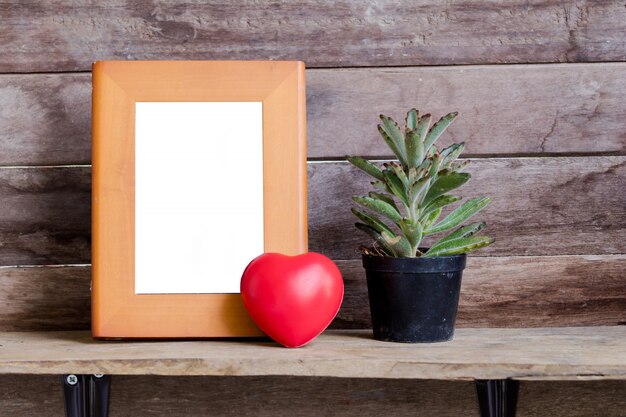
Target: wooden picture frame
[(117, 310)]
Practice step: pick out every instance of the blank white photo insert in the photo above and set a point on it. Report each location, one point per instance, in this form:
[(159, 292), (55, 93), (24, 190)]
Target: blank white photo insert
[(198, 195)]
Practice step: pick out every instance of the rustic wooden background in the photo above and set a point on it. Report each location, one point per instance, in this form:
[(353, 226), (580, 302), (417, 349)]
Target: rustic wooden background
[(539, 84)]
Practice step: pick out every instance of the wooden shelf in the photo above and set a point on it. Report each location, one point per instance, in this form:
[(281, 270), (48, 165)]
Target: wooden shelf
[(580, 353)]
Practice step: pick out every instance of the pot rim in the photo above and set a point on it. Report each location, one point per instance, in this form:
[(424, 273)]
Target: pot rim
[(436, 264)]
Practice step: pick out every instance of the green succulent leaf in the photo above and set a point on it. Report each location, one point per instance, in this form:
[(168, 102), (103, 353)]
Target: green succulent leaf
[(431, 218), (435, 164), (371, 221), (396, 186), (412, 231), (392, 134), (438, 128), (399, 244), (458, 165), (397, 169), (459, 215), (465, 231), (379, 207), (381, 185), (451, 153), (446, 181), (418, 189), (413, 175), (367, 166), (414, 149), (377, 238), (412, 119), (422, 128), (384, 197), (457, 246), (425, 165), (439, 202)]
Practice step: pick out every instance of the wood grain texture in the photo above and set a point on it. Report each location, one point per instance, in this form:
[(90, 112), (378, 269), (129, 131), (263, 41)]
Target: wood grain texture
[(45, 119), (541, 206), (248, 396), (509, 109), (45, 216), (67, 35), (531, 291), (524, 291), (303, 397), (45, 298), (572, 353)]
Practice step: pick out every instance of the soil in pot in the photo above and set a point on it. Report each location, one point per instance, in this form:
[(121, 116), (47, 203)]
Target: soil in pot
[(414, 300)]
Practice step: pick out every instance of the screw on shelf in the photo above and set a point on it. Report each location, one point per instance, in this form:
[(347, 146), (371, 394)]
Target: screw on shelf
[(86, 395)]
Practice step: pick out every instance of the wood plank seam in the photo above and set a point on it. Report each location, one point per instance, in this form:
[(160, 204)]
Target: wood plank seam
[(46, 217), (375, 67), (325, 33), (585, 119), (497, 292)]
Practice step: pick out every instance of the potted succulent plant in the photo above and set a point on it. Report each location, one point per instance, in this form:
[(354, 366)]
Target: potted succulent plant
[(414, 291)]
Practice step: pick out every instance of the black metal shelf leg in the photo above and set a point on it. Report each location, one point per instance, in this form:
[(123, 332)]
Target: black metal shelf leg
[(497, 397), (100, 387), (86, 395)]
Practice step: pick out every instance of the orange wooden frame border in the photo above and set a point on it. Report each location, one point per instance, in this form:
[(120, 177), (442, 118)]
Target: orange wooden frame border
[(117, 312)]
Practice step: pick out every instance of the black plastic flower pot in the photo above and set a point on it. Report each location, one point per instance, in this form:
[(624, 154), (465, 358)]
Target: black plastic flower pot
[(414, 300)]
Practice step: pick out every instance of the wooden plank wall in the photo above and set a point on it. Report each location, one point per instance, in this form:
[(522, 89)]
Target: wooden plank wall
[(539, 85), (154, 396)]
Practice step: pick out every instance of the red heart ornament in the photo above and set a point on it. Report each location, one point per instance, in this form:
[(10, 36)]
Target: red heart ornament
[(292, 298)]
